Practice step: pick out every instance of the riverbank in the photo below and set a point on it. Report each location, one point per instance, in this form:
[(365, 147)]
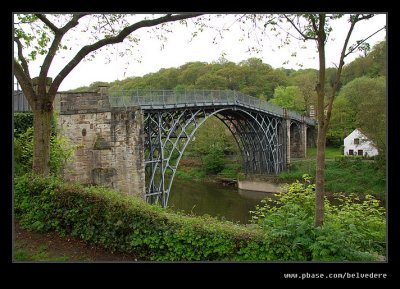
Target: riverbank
[(31, 246), (261, 186), (226, 202), (342, 175), (126, 224)]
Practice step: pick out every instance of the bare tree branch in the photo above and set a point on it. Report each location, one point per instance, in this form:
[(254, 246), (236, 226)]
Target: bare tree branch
[(356, 19), (108, 22), (287, 32), (25, 83), (362, 41), (24, 22), (368, 16), (73, 22), (21, 57), (53, 49), (112, 40), (298, 30), (314, 24), (340, 67), (46, 21)]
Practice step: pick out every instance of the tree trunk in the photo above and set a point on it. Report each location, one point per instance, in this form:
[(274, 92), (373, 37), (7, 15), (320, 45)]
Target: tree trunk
[(42, 119), (320, 177), (322, 127)]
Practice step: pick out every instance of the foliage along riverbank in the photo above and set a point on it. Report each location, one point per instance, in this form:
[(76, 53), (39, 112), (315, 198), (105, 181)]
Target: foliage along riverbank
[(127, 224), (342, 174), (215, 162)]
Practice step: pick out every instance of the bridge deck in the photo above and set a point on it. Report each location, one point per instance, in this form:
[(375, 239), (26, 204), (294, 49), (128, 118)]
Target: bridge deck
[(171, 99)]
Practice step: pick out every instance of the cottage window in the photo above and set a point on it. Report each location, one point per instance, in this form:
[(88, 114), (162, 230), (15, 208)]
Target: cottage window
[(356, 141), (360, 152), (351, 152)]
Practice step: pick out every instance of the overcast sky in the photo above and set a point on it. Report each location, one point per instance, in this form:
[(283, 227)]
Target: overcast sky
[(178, 51)]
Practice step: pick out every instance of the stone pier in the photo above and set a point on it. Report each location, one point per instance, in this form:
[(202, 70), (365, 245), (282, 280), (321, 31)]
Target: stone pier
[(109, 142)]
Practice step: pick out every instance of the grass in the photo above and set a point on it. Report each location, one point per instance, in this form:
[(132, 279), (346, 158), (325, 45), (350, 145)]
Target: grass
[(21, 255), (38, 254), (230, 171), (190, 170), (342, 175), (191, 173), (330, 152)]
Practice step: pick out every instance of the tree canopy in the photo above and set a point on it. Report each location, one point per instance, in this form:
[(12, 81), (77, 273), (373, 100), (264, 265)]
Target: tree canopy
[(43, 37)]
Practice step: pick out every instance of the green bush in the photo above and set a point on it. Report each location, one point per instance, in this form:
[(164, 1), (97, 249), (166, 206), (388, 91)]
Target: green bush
[(22, 121), (128, 224), (352, 230), (344, 174), (23, 152), (60, 152), (191, 174), (214, 161)]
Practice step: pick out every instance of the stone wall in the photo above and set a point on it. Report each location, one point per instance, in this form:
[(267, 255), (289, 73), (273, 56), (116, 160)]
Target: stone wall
[(311, 137), (261, 186), (109, 142), (127, 140), (297, 141)]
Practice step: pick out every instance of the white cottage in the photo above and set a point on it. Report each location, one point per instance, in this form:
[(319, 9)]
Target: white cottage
[(358, 144)]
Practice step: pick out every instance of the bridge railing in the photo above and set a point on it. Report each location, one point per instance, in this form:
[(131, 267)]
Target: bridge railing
[(254, 102), (148, 98), (171, 97)]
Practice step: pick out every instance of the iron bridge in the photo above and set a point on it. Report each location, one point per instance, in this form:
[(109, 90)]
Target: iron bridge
[(171, 119)]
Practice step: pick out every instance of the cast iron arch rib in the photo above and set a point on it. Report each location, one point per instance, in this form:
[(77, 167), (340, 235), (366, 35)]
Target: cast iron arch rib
[(260, 129), (167, 134)]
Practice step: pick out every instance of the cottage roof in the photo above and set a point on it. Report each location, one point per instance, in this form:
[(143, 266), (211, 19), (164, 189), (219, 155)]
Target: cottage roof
[(363, 133)]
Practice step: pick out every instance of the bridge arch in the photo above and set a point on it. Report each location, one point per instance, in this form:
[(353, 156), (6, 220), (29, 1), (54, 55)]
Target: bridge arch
[(133, 132), (168, 133), (310, 136)]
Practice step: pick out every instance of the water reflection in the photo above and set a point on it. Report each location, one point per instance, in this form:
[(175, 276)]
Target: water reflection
[(255, 195), (214, 199), (217, 200)]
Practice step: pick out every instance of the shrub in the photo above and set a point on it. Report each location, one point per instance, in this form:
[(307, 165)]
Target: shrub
[(60, 152), (352, 230), (214, 161), (344, 174), (23, 152), (128, 224), (22, 121)]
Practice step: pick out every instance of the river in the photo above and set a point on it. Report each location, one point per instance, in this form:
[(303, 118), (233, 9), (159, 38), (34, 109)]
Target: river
[(233, 204), (214, 199)]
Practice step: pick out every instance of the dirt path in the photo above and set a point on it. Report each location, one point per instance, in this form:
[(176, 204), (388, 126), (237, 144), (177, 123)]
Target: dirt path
[(33, 246)]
